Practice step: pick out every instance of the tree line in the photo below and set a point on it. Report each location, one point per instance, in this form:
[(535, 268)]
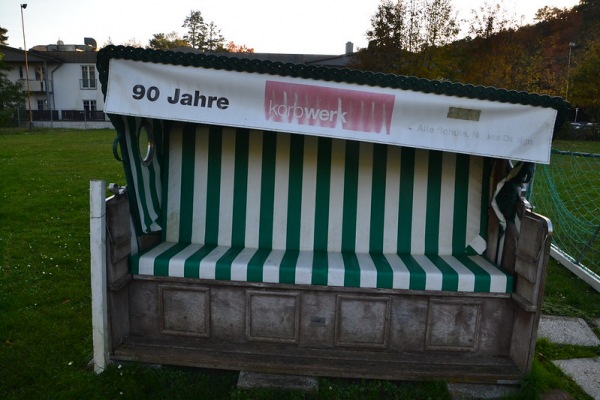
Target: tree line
[(557, 55), (200, 35)]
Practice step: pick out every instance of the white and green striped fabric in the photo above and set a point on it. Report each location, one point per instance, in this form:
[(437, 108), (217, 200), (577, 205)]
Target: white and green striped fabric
[(146, 199), (272, 207)]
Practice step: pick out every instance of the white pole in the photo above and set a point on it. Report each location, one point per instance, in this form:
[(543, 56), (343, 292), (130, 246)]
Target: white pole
[(98, 274)]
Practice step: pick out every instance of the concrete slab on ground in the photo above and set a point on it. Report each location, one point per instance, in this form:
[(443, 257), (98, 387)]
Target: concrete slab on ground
[(254, 380), (585, 372), (469, 391), (567, 330)]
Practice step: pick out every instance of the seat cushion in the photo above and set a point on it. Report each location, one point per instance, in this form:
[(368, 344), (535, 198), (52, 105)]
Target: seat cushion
[(337, 269)]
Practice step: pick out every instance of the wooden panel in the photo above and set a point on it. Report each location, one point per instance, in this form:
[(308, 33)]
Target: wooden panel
[(453, 325), (523, 339), (362, 321), (118, 238), (510, 248), (143, 308), (118, 225), (272, 316), (408, 323), (532, 259), (118, 304), (184, 310), (317, 319), (532, 253), (228, 314)]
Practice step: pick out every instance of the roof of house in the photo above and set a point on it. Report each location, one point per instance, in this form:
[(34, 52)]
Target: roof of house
[(334, 60), (13, 55)]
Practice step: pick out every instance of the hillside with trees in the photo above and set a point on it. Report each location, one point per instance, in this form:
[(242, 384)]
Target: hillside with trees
[(557, 55)]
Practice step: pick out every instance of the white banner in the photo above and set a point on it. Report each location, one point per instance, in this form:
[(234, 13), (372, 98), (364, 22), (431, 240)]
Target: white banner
[(337, 110)]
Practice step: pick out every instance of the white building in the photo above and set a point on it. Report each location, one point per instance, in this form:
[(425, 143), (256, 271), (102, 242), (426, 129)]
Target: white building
[(63, 85)]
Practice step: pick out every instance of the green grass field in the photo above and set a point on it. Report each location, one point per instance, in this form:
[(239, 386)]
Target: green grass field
[(45, 305)]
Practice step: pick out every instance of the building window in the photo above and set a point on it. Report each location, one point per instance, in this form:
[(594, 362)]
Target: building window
[(88, 77), (41, 104), (21, 73), (89, 105), (39, 73)]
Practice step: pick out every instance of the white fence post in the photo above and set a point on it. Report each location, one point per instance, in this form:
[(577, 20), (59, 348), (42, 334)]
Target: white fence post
[(98, 274)]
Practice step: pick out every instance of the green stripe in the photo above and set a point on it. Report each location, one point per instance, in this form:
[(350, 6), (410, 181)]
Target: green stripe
[(485, 201), (483, 280), (509, 282), (256, 265), (223, 265), (461, 204), (165, 183), (161, 262), (351, 270), (191, 267), (405, 208), (320, 268), (267, 190), (213, 195), (240, 187), (385, 273), (155, 167), (417, 274), (134, 263), (186, 206), (287, 268), (123, 135), (133, 155), (434, 197), (449, 274), (294, 205), (323, 193), (378, 198), (350, 196)]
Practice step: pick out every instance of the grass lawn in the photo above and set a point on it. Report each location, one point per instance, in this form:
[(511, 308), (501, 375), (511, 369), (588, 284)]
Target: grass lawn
[(45, 304)]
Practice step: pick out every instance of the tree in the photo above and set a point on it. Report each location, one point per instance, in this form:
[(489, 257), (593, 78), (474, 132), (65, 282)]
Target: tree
[(440, 23), (133, 43), (203, 36), (585, 87), (491, 19), (547, 14), (214, 40), (388, 26), (11, 94), (234, 48), (196, 30), (406, 36), (161, 41), (3, 37)]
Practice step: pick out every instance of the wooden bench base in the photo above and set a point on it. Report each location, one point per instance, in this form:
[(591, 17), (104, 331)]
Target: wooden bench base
[(270, 358), (320, 331)]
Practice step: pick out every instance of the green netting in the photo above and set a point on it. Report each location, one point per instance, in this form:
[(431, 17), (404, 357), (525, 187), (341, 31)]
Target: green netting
[(568, 192)]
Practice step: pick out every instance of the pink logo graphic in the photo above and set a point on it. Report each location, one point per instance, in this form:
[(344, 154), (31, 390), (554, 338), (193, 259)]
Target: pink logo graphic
[(326, 107)]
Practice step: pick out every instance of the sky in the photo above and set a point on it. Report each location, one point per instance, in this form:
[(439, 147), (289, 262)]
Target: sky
[(268, 26)]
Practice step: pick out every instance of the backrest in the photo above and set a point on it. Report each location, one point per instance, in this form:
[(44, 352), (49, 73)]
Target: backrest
[(248, 188)]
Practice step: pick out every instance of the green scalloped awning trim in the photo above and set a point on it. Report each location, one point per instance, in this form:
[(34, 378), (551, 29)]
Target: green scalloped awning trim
[(341, 75)]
